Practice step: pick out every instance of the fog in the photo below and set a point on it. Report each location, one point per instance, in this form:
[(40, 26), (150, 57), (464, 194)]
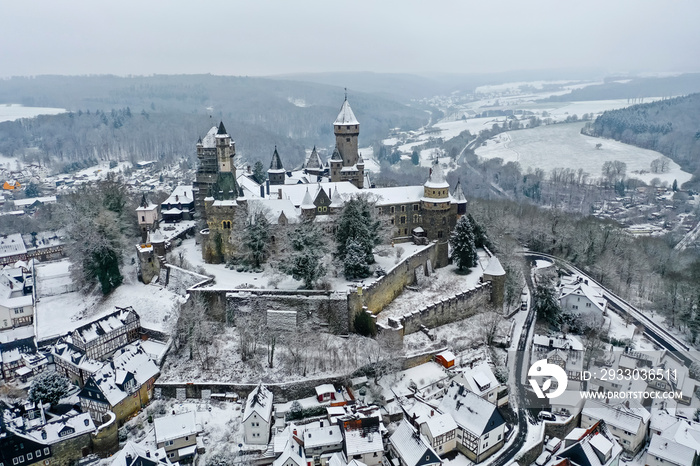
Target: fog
[(262, 38)]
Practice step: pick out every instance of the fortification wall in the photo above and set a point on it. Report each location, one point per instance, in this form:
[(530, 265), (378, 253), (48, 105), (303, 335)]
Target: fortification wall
[(448, 310), (180, 280)]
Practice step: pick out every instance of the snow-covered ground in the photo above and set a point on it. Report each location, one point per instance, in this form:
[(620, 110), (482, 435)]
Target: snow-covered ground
[(563, 146), (11, 112), (442, 284), (61, 313)]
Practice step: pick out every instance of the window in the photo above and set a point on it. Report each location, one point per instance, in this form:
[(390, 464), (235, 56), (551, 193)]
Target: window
[(14, 461), (143, 218), (403, 219), (29, 456), (168, 443), (347, 139), (319, 209), (325, 209), (392, 222), (403, 208), (415, 218), (434, 204), (226, 224), (588, 304), (415, 207), (19, 310), (440, 234), (37, 453), (392, 209)]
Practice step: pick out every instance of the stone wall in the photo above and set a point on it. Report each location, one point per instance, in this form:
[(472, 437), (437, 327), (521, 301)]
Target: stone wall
[(383, 291), (67, 452), (448, 310), (317, 309), (180, 280)]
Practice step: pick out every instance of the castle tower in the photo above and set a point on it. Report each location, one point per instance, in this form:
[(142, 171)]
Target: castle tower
[(225, 150), (314, 165), (215, 153), (276, 173), (347, 129), (147, 214), (460, 199), (308, 208), (436, 210), (336, 164)]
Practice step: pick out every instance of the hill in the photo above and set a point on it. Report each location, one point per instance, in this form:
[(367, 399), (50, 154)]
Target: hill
[(668, 126), (169, 113)]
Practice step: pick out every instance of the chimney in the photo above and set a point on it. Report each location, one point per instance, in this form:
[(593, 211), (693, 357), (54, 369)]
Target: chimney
[(262, 191), (432, 413), (177, 198), (148, 453)]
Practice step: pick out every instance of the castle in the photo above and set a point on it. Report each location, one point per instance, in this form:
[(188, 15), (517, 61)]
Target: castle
[(223, 196)]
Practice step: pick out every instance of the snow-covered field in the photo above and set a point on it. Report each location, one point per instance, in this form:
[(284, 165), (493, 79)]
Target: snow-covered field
[(11, 112), (563, 146)]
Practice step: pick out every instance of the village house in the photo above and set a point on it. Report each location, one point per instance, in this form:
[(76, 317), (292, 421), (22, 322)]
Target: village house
[(362, 437), (566, 351), (16, 299), (628, 421), (177, 435), (441, 432), (20, 360), (481, 427), (123, 385), (257, 416), (100, 338), (580, 296), (481, 380), (180, 205), (595, 445), (677, 445), (136, 455), (411, 448), (29, 440)]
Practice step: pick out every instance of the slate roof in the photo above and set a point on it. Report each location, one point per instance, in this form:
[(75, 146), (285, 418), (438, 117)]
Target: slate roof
[(276, 162), (314, 160), (259, 401), (137, 455)]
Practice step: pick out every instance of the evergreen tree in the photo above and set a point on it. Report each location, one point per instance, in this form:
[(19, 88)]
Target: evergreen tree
[(675, 185), (355, 262), (415, 157), (48, 387), (255, 241), (546, 304), (357, 222), (305, 260), (462, 242), (259, 172), (481, 240), (364, 324)]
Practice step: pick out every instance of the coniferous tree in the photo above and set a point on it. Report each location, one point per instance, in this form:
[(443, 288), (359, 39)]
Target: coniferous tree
[(462, 242), (415, 157), (305, 260), (355, 262), (546, 304), (357, 222), (259, 172), (48, 387), (256, 239)]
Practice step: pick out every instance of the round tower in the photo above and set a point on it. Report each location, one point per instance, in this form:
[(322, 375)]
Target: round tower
[(276, 173)]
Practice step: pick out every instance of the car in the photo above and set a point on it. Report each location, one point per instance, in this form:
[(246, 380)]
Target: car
[(546, 416)]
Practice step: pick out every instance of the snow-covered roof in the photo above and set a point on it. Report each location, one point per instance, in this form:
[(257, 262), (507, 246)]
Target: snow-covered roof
[(11, 245), (31, 200), (567, 342), (620, 415), (470, 411), (357, 443), (581, 288), (670, 451), (296, 192), (316, 436), (138, 455), (440, 424), (175, 427), (325, 388), (686, 433), (209, 141), (59, 429), (458, 193), (478, 379), (495, 269), (396, 195), (314, 160), (410, 445), (259, 401), (104, 325), (172, 211), (250, 187), (346, 116), (307, 203), (131, 359), (436, 178), (181, 195)]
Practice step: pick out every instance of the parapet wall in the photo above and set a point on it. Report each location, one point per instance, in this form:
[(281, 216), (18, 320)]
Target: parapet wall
[(179, 280), (457, 307)]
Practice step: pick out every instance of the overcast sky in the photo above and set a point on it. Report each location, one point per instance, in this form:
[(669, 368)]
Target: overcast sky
[(274, 37)]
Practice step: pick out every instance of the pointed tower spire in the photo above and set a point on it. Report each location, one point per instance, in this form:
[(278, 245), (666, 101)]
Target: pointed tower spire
[(222, 129)]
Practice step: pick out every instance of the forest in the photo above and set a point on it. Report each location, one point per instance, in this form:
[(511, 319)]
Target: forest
[(669, 126), (161, 117)]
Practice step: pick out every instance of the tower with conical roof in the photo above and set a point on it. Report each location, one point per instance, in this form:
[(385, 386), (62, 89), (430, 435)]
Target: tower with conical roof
[(347, 129), (276, 173), (215, 154), (437, 211)]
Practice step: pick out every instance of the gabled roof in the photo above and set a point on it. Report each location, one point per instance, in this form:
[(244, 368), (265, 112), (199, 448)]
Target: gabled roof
[(671, 451), (104, 325), (174, 427), (276, 162), (259, 402), (346, 116), (137, 455), (63, 428), (470, 411), (412, 447)]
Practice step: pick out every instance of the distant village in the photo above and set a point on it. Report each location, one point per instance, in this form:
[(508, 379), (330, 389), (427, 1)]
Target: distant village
[(449, 388)]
